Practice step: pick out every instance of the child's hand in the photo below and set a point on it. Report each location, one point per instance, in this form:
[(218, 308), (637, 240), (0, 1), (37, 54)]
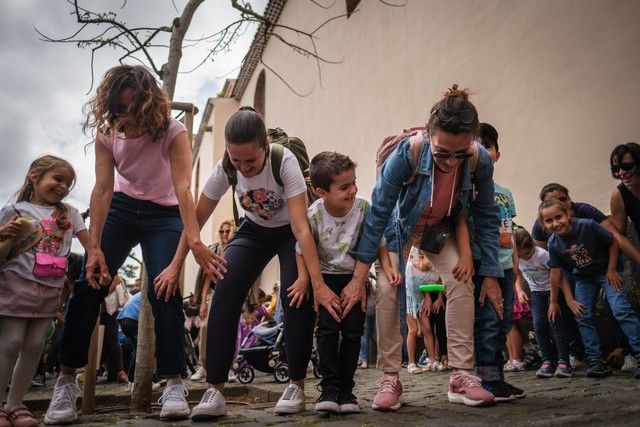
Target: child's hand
[(11, 228), (614, 280), (393, 276), (522, 296), (438, 305), (554, 310), (576, 308), (463, 271), (297, 292)]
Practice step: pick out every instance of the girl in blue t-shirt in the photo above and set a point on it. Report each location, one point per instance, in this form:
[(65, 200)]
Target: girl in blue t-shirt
[(592, 253)]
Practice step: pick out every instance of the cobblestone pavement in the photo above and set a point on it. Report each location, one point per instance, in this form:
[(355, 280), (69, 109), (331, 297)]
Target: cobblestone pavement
[(576, 401)]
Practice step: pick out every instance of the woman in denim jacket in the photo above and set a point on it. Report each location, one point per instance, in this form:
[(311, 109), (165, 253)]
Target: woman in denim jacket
[(428, 205)]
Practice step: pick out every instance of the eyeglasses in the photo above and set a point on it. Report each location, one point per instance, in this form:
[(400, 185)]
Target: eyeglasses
[(224, 231), (624, 166), (459, 155), (465, 116)]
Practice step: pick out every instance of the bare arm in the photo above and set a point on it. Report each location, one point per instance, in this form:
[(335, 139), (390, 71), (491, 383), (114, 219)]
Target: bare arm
[(612, 273), (463, 270), (618, 213), (212, 265), (99, 207)]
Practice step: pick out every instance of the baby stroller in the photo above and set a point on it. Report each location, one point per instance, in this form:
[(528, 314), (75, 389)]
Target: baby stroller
[(266, 354)]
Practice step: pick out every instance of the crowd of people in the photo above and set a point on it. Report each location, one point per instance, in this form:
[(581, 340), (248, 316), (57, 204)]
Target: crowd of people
[(436, 218)]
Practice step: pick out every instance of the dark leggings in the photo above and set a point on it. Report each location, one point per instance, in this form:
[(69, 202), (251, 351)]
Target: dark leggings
[(111, 350), (247, 254), (438, 325)]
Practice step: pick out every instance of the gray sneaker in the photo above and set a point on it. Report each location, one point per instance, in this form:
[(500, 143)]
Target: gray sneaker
[(211, 405), (62, 409), (174, 402)]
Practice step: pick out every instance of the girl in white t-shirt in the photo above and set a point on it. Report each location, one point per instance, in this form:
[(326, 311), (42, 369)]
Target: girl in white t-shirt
[(275, 217), (534, 266), (37, 231)]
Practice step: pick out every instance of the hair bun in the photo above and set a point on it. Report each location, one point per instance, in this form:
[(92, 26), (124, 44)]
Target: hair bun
[(247, 108), (454, 91)]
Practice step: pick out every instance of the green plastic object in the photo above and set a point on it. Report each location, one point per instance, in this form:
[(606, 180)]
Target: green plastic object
[(431, 287)]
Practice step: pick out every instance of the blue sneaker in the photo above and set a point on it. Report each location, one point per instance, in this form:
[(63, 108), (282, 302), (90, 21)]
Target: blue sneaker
[(424, 359)]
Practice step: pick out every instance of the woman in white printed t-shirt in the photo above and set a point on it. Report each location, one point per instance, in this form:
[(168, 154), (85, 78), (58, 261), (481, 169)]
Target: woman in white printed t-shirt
[(276, 216)]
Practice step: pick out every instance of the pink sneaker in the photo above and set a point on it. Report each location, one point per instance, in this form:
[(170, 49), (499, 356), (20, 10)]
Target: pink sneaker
[(466, 389), (389, 394)]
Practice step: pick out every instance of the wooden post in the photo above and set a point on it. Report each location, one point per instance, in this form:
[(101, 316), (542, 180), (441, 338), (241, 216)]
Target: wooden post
[(141, 395), (89, 393)]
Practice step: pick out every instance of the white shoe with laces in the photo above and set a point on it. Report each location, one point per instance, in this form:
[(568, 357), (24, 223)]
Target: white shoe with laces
[(630, 364), (211, 405), (62, 409), (200, 374), (292, 401), (174, 404)]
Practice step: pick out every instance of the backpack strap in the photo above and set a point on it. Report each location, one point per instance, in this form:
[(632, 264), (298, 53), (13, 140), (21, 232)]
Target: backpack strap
[(277, 153), (416, 142), (475, 157)]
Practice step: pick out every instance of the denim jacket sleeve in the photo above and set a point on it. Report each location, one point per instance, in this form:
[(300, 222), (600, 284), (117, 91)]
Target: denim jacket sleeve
[(395, 171), (486, 218)]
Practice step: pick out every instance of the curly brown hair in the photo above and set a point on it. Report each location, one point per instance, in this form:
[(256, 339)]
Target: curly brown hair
[(149, 112)]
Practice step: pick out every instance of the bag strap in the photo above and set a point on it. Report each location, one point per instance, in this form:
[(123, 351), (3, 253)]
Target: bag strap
[(416, 142), (277, 154)]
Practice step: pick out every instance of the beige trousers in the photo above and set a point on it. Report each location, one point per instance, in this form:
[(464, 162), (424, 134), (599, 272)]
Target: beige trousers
[(459, 315), (202, 341)]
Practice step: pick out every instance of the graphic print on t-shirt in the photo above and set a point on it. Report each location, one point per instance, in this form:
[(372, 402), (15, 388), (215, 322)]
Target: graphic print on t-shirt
[(580, 255), (262, 202), (506, 220), (52, 237)]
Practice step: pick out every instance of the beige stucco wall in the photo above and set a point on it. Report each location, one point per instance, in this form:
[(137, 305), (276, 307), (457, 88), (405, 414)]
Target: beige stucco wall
[(560, 81)]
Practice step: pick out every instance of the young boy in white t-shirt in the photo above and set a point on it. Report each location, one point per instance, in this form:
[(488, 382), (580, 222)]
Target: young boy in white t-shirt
[(336, 220)]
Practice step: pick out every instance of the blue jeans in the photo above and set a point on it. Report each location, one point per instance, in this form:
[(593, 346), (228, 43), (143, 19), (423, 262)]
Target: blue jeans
[(157, 229), (490, 333), (587, 291), (576, 346), (369, 331)]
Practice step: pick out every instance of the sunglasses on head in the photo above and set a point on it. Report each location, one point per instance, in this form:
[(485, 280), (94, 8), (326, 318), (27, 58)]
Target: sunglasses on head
[(624, 166), (464, 116)]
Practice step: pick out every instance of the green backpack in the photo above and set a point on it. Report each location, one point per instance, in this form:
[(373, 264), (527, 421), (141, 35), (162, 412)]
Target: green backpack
[(278, 139)]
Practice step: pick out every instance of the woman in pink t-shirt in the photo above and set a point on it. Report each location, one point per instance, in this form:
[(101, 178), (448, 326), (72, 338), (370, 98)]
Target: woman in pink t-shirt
[(141, 196)]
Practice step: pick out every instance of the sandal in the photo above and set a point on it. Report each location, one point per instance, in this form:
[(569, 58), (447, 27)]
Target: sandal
[(4, 419), (21, 417), (412, 368)]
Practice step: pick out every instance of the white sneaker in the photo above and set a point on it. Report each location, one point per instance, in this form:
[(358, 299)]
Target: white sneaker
[(292, 401), (232, 377), (630, 364), (62, 409), (576, 363), (174, 404), (211, 405), (200, 374)]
